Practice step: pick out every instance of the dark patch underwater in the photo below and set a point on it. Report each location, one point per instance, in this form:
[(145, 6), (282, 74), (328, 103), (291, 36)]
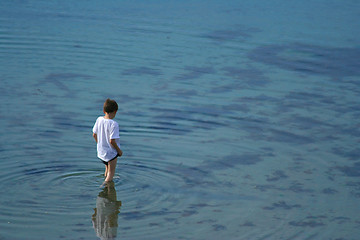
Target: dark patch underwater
[(310, 59)]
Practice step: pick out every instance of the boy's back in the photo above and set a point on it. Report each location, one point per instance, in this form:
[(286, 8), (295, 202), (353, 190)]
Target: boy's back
[(106, 129)]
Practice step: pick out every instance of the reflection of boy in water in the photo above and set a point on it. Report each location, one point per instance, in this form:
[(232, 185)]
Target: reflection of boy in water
[(105, 218)]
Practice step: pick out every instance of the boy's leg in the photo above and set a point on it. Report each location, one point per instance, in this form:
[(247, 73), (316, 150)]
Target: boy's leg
[(111, 170), (106, 171)]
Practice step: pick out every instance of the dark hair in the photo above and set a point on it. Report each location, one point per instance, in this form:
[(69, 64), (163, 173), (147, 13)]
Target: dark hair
[(110, 106)]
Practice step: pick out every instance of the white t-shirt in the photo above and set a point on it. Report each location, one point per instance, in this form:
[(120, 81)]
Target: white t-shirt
[(106, 129)]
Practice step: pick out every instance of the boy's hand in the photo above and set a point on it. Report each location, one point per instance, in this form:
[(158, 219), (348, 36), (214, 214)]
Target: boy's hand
[(113, 143), (120, 152)]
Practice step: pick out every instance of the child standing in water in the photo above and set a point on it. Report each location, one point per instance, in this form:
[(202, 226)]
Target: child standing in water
[(106, 135)]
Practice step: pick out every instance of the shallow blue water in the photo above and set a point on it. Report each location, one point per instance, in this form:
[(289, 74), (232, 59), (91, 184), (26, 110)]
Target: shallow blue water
[(239, 120)]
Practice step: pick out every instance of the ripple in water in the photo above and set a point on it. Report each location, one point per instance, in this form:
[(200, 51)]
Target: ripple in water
[(243, 134), (152, 193)]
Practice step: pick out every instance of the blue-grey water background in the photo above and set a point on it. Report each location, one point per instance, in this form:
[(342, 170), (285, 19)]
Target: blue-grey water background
[(239, 119)]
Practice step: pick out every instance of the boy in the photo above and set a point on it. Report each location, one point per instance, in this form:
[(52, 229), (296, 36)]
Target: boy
[(106, 135)]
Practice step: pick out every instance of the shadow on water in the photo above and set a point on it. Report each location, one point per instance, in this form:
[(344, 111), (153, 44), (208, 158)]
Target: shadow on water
[(105, 217)]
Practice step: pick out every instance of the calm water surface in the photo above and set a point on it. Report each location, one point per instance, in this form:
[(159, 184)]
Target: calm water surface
[(239, 119)]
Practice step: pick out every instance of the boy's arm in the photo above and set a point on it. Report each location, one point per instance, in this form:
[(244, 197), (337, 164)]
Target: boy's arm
[(95, 137), (113, 143)]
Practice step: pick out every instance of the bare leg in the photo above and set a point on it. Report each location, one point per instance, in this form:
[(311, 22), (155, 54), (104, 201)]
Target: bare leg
[(111, 170), (106, 171)]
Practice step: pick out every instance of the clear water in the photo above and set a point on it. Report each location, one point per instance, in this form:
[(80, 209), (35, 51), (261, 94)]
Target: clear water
[(239, 119)]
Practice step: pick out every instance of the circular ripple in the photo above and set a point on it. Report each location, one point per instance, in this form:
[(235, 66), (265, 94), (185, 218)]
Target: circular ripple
[(151, 193)]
